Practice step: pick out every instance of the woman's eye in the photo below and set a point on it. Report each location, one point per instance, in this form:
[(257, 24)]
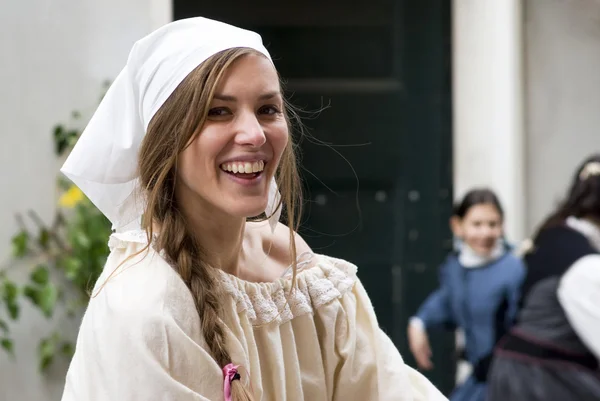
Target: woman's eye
[(218, 112), (269, 110)]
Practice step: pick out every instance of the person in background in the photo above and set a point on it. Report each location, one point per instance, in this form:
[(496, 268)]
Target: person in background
[(478, 293), (552, 352)]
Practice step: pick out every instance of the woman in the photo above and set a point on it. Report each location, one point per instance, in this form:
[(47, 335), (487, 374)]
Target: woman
[(478, 292), (552, 353), (196, 302)]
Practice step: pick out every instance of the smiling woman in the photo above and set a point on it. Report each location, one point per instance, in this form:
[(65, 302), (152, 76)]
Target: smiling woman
[(187, 148)]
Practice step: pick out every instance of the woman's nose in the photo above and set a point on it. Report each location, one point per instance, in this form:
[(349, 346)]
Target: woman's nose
[(249, 131)]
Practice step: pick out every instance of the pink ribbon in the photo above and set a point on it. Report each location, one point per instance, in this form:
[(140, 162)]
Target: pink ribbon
[(229, 372)]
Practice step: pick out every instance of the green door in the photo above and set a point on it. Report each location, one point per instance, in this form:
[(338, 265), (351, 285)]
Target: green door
[(377, 162)]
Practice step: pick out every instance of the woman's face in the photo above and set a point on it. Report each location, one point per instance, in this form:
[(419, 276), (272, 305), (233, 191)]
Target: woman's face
[(480, 228), (228, 167)]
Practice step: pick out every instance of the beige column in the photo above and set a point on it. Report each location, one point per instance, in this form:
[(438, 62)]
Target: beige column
[(488, 103)]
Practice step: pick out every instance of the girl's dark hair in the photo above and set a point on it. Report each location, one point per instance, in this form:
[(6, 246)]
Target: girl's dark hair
[(477, 196), (583, 198)]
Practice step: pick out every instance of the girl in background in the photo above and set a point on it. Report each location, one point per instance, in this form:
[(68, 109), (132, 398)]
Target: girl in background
[(478, 292)]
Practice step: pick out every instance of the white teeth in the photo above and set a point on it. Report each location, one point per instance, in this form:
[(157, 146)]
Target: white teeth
[(246, 167)]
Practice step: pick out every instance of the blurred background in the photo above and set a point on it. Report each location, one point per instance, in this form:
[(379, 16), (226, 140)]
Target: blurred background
[(421, 100)]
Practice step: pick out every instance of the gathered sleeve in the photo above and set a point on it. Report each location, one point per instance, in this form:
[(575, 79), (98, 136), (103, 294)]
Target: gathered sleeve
[(370, 366), (132, 346)]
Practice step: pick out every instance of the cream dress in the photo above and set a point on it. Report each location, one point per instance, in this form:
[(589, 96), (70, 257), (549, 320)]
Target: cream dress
[(140, 338)]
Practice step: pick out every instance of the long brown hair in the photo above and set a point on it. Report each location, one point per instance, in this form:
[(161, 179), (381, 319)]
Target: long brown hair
[(173, 127)]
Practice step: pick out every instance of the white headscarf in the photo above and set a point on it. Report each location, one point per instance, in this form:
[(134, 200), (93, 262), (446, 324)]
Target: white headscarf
[(103, 163)]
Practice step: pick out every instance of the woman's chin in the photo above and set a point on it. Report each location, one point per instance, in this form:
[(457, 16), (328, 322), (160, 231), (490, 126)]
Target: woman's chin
[(247, 210)]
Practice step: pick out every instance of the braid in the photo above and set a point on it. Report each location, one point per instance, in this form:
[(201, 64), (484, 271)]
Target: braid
[(206, 292), (181, 249), (186, 256)]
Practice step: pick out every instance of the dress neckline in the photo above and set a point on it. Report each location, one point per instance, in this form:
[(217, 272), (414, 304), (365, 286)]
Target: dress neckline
[(272, 302)]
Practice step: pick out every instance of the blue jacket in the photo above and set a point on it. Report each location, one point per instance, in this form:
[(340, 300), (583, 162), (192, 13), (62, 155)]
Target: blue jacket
[(483, 301)]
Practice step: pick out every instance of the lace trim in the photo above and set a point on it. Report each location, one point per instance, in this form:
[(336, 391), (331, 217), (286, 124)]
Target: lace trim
[(302, 262), (273, 302)]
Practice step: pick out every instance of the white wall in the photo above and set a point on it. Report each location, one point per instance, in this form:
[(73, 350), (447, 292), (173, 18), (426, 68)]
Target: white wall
[(562, 96), (54, 56)]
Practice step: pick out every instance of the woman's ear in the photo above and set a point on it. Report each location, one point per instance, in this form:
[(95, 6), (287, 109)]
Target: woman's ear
[(455, 226)]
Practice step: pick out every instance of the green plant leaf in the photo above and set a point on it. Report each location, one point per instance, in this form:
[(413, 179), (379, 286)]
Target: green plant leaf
[(19, 244), (9, 291), (64, 183), (48, 297), (72, 133), (33, 294), (40, 275), (60, 140), (13, 310), (46, 352), (7, 344), (3, 327), (44, 238), (45, 297), (82, 240), (58, 131), (72, 141), (64, 138), (9, 295), (67, 349), (72, 267)]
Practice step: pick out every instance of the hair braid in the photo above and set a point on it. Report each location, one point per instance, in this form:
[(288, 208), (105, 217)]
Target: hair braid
[(181, 249)]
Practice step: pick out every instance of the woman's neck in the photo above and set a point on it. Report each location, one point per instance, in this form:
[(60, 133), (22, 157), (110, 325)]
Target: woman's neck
[(220, 235), (222, 242)]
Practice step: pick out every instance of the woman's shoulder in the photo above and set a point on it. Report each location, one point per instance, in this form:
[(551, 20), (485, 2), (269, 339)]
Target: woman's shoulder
[(276, 242), (282, 239), (138, 284)]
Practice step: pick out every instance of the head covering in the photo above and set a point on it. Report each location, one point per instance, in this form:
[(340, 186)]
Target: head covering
[(103, 163), (590, 169)]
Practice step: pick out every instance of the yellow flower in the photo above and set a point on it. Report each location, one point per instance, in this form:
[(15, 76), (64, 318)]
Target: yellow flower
[(71, 198)]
